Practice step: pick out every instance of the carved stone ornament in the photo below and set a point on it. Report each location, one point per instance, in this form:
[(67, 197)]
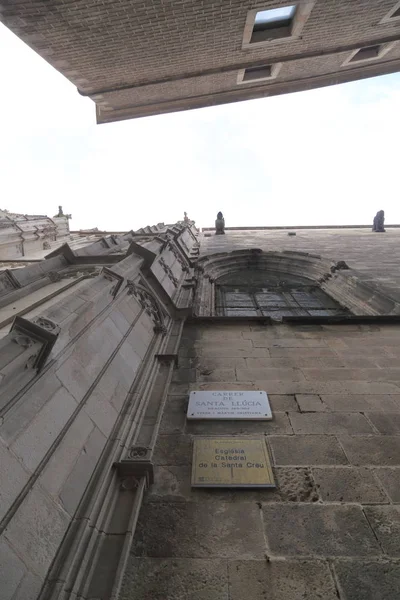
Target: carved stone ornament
[(137, 452), (47, 324), (148, 303), (167, 269), (129, 483), (178, 257), (22, 340), (54, 276), (31, 362)]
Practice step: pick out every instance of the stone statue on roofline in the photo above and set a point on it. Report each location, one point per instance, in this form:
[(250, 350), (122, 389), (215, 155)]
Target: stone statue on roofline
[(379, 222), (61, 214), (219, 224)]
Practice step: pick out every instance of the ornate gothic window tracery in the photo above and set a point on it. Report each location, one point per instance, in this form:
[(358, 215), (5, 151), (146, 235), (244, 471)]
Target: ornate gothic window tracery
[(271, 294)]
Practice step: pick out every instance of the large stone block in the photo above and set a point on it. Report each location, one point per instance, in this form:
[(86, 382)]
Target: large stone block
[(311, 529), (216, 375), (65, 456), (386, 423), (175, 579), (232, 351), (75, 485), (283, 402), (330, 423), (37, 529), (217, 362), (29, 588), (385, 521), (310, 403), (390, 479), (308, 352), (90, 354), (280, 580), (199, 530), (29, 406), (360, 580), (348, 484), (12, 571), (13, 477), (372, 450), (101, 410), (35, 441), (362, 402), (307, 450), (173, 450), (269, 374), (291, 343), (174, 415)]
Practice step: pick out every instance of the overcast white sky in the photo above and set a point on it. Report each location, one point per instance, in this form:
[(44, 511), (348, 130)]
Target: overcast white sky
[(328, 156)]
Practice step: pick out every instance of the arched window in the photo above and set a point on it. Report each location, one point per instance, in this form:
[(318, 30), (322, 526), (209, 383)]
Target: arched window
[(247, 293)]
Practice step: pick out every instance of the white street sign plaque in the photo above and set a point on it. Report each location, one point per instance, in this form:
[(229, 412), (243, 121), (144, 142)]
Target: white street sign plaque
[(232, 405)]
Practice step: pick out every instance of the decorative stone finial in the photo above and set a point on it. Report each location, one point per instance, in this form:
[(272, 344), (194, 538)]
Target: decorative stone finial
[(185, 218), (379, 221), (220, 224)]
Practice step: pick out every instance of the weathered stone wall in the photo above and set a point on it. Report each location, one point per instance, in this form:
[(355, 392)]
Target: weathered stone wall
[(83, 374), (53, 431), (373, 256), (331, 528)]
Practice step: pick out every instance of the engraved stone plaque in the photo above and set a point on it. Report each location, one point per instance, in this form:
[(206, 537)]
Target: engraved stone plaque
[(233, 404), (231, 462)]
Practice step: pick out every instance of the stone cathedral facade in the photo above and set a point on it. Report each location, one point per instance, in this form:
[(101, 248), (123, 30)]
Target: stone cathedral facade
[(103, 336)]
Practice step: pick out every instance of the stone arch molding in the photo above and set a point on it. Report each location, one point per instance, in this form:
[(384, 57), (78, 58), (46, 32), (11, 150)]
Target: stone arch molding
[(347, 286)]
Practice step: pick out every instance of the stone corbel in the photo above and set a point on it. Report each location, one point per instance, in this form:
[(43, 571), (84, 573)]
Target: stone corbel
[(136, 464), (24, 351), (113, 276), (40, 330)]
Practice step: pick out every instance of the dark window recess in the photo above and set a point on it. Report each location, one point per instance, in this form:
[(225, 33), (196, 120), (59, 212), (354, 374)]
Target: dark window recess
[(366, 53), (268, 294), (273, 24), (396, 14), (257, 73)]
